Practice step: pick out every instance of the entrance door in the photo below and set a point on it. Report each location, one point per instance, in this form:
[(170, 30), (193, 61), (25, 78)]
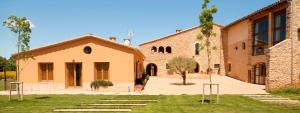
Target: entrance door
[(151, 69), (73, 74)]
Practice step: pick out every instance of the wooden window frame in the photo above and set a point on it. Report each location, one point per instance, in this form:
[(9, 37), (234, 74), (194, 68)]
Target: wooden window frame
[(259, 33), (229, 67), (102, 71), (299, 34), (47, 71), (281, 27), (197, 48)]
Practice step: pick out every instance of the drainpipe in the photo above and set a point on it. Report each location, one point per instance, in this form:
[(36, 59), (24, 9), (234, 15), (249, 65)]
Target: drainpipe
[(292, 44)]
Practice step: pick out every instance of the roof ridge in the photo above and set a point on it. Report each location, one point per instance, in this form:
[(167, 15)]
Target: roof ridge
[(176, 33), (74, 39), (255, 12)]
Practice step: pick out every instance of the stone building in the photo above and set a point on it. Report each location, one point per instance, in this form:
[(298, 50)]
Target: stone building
[(182, 43), (261, 48)]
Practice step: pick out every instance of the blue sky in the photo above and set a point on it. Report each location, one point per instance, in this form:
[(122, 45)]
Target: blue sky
[(58, 20)]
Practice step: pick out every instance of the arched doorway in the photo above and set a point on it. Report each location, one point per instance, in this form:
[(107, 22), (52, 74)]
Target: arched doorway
[(259, 74), (151, 69)]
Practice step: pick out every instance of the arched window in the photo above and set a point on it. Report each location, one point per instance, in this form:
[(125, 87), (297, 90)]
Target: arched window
[(153, 49), (197, 49), (168, 49), (161, 49)]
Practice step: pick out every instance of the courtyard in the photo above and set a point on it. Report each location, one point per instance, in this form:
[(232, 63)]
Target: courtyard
[(167, 85)]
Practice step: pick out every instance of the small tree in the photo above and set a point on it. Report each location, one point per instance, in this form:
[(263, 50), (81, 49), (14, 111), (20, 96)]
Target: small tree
[(182, 65), (206, 28), (22, 27)]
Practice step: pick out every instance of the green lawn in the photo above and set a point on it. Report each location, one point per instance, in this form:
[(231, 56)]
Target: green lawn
[(165, 104)]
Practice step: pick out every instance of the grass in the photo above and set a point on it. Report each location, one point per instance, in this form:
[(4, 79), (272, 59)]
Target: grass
[(292, 92), (165, 104)]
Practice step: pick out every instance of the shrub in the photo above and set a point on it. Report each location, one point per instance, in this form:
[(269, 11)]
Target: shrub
[(100, 83), (9, 75), (139, 81)]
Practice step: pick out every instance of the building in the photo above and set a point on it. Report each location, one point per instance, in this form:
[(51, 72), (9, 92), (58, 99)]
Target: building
[(182, 43), (262, 48), (77, 62)]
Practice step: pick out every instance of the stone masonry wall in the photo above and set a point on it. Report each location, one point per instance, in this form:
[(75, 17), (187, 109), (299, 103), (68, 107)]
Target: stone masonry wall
[(282, 68), (183, 44)]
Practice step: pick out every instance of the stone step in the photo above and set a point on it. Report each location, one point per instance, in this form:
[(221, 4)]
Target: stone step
[(274, 98), (92, 110), (259, 95), (129, 100), (277, 100), (113, 104)]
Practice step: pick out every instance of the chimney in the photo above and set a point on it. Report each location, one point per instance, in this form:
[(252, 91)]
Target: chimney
[(178, 30), (127, 42), (114, 39)]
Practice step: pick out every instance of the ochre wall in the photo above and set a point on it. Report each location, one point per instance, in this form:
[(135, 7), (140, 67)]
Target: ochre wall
[(236, 55), (121, 67)]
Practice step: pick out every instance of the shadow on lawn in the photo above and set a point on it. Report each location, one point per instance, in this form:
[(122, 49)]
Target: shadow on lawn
[(180, 83), (43, 97)]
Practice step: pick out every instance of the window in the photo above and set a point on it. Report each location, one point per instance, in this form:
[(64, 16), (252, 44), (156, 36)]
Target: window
[(279, 27), (298, 33), (216, 65), (229, 67), (153, 49), (168, 49), (102, 71), (161, 49), (260, 39), (87, 50), (167, 66), (197, 49), (45, 71), (244, 45)]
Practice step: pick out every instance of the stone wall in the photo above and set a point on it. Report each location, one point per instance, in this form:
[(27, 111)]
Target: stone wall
[(284, 69), (183, 44), (279, 65)]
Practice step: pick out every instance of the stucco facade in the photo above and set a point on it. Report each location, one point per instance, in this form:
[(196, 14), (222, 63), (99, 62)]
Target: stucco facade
[(181, 43), (122, 71)]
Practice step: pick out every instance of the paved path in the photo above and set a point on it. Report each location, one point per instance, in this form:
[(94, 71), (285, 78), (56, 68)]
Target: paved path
[(164, 85)]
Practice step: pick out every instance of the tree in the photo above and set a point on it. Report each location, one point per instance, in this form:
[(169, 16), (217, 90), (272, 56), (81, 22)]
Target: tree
[(182, 65), (206, 29), (22, 27), (3, 62), (11, 64)]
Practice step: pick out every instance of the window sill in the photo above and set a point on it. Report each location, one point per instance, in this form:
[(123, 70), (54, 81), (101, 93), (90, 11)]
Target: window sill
[(45, 81)]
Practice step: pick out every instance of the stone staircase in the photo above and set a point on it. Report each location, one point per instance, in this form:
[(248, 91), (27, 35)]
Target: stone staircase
[(275, 99), (111, 106)]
